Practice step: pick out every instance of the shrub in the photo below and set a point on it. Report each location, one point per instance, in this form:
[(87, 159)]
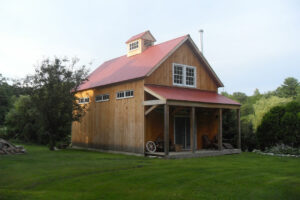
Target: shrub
[(280, 125)]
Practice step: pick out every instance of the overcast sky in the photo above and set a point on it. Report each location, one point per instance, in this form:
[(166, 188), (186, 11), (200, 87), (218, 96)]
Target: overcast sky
[(250, 44)]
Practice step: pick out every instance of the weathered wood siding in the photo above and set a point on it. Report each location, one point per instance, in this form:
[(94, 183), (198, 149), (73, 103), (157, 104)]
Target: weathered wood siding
[(117, 124), (207, 124), (183, 55)]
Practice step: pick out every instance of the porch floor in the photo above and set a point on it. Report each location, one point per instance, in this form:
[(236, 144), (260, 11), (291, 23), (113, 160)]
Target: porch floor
[(198, 153)]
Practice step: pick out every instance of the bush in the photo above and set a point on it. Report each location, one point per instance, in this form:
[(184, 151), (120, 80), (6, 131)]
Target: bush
[(23, 121), (283, 149), (248, 137), (4, 133), (281, 125)]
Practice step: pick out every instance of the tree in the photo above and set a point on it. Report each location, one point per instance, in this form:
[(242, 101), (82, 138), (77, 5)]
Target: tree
[(240, 97), (288, 88), (280, 125), (4, 98), (23, 122), (262, 106), (55, 83)]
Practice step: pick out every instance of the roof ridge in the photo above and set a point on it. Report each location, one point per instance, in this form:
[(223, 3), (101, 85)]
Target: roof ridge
[(148, 48)]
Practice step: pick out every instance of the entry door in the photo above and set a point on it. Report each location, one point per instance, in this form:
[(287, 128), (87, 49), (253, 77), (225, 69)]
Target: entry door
[(182, 131)]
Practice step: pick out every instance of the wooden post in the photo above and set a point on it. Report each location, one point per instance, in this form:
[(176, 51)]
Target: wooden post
[(238, 114), (166, 129), (220, 142), (192, 129)]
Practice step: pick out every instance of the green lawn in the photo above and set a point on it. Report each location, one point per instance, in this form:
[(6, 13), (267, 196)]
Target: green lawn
[(77, 174)]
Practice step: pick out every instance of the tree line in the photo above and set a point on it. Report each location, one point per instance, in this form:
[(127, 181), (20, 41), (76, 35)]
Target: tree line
[(267, 119), (41, 108)]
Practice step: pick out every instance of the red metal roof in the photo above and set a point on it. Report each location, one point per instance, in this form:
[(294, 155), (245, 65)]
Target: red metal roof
[(127, 68), (136, 37), (193, 95)]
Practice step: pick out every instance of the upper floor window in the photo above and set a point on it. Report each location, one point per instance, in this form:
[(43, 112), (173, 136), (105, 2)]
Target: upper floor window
[(84, 100), (134, 45), (102, 97), (125, 94), (184, 75)]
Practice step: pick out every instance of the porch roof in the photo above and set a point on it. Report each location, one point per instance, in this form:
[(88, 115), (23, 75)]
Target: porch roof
[(191, 95)]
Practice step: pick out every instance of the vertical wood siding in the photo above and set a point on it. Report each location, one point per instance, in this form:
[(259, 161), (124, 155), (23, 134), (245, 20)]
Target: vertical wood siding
[(117, 124), (183, 55)]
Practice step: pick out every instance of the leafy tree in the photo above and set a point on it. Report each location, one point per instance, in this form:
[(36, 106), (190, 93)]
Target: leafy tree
[(262, 106), (7, 91), (240, 97), (23, 122), (280, 125), (288, 88), (4, 98), (230, 126), (53, 82), (248, 137)]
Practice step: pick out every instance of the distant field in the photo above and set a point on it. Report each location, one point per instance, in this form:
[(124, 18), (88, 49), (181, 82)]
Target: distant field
[(78, 174)]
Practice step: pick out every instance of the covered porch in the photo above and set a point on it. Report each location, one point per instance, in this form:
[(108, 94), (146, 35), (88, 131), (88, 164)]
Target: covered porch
[(188, 122)]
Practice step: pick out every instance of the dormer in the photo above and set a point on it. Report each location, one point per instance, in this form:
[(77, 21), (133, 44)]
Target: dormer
[(139, 43)]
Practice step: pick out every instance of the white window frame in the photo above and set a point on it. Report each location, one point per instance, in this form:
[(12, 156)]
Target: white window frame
[(124, 92), (84, 100), (134, 45), (102, 100), (184, 67)]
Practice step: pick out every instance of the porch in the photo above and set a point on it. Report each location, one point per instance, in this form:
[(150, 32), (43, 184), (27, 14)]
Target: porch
[(188, 127), (196, 154)]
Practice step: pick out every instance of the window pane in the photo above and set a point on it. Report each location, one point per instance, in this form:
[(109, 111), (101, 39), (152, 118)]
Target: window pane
[(190, 76), (178, 74)]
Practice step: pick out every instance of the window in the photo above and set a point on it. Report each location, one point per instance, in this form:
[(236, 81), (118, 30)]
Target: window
[(84, 100), (124, 94), (184, 75), (134, 45), (178, 74), (102, 97)]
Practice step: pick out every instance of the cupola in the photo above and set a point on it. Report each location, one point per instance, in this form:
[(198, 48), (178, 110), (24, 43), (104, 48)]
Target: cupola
[(139, 43)]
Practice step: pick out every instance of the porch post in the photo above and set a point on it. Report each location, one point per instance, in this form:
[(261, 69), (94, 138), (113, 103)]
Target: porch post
[(166, 129), (238, 114), (220, 142), (192, 129)]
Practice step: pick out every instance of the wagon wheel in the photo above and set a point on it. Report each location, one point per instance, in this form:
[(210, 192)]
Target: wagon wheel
[(150, 146)]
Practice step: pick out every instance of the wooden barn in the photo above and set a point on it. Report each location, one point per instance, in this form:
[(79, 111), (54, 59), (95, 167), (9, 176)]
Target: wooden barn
[(166, 93)]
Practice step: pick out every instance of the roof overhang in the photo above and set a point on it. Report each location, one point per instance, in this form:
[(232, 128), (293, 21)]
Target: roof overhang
[(188, 97)]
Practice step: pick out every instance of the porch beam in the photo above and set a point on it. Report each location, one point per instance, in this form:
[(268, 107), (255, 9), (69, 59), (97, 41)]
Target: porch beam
[(166, 129), (192, 129), (220, 142), (154, 102), (202, 105), (150, 109), (238, 116)]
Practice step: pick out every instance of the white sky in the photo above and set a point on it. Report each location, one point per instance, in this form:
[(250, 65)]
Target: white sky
[(250, 44)]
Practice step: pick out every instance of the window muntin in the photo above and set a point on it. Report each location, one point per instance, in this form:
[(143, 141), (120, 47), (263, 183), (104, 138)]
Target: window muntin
[(102, 97), (83, 100), (178, 74), (184, 75), (134, 45), (125, 94), (190, 76)]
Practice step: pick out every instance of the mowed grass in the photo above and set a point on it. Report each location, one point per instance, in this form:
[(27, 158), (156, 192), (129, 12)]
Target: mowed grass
[(78, 174)]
